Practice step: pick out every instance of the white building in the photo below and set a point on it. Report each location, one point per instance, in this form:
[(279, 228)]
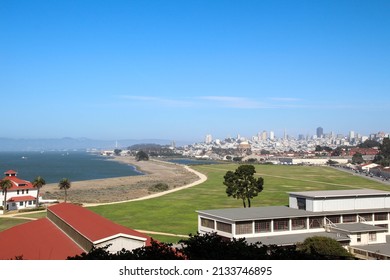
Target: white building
[(21, 195), (356, 218)]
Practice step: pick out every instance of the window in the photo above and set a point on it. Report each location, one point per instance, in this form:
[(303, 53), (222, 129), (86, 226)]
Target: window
[(262, 226), (30, 202), (349, 218), (359, 237), (224, 227), (380, 216), (26, 191), (301, 203), (316, 222), (207, 223), (334, 219), (244, 227), (298, 223), (372, 236), (17, 192), (21, 203), (22, 191), (366, 217), (281, 225)]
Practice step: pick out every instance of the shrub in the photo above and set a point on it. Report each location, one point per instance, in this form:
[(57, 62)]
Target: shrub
[(160, 187)]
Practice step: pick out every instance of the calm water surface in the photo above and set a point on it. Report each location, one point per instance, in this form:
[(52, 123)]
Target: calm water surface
[(53, 166)]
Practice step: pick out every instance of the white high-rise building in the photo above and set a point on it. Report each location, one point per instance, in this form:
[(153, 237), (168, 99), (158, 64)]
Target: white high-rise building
[(271, 135), (351, 135), (208, 139)]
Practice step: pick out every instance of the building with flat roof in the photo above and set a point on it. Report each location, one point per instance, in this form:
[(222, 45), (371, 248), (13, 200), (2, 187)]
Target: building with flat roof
[(355, 217)]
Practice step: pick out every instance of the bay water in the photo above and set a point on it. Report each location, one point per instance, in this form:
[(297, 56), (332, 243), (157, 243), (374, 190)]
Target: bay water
[(55, 165)]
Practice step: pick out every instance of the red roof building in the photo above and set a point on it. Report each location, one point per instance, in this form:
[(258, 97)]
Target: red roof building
[(22, 193), (68, 230)]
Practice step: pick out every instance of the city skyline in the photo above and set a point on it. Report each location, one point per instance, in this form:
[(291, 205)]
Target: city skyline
[(265, 135), (181, 70)]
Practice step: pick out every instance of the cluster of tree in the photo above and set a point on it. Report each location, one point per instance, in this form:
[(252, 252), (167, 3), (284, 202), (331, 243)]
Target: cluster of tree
[(141, 155), (241, 184), (383, 158), (369, 144), (323, 148), (213, 247), (225, 152), (357, 158), (154, 150)]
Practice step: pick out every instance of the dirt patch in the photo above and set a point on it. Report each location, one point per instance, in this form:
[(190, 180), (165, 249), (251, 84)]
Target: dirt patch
[(123, 188)]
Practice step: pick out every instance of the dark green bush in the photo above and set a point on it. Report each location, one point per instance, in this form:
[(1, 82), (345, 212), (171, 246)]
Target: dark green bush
[(160, 187)]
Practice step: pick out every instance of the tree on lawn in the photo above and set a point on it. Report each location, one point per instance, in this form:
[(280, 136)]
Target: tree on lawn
[(241, 184), (64, 184), (5, 184), (38, 183)]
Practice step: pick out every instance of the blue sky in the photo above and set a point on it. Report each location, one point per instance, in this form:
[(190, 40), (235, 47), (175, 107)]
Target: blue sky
[(182, 69)]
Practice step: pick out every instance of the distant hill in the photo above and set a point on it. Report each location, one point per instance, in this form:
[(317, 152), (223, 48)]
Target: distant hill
[(67, 143)]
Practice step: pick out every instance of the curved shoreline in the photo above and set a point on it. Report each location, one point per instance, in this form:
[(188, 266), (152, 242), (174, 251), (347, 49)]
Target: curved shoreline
[(128, 188)]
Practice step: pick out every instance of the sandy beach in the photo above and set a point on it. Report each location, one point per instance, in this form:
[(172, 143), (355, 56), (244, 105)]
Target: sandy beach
[(124, 188)]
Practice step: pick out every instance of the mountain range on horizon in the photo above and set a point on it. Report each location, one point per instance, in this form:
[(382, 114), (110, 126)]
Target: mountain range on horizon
[(69, 143)]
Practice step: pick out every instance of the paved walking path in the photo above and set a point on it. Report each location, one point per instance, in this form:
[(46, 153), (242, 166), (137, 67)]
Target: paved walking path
[(202, 178)]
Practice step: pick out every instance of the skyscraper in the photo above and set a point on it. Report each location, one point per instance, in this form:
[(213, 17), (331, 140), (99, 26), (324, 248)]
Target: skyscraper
[(320, 132), (208, 139), (351, 135), (264, 135)]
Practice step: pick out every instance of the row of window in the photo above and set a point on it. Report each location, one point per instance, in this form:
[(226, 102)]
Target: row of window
[(353, 218), (296, 223), (18, 192), (21, 203)]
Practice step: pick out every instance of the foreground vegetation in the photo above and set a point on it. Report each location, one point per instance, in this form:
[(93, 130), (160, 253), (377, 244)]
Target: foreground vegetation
[(214, 247), (176, 212)]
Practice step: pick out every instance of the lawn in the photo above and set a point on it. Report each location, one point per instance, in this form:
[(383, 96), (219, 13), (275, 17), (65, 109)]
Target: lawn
[(6, 223), (176, 212)]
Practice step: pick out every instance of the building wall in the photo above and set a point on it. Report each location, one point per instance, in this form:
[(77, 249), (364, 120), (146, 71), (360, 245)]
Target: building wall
[(119, 243), (380, 237), (253, 233), (14, 193), (340, 204), (70, 231)]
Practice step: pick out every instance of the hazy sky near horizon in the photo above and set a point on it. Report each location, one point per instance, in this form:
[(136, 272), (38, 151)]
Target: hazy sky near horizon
[(182, 69)]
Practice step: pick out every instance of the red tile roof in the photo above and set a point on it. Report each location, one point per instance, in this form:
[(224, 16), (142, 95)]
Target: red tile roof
[(21, 198), (17, 182), (93, 226), (37, 240)]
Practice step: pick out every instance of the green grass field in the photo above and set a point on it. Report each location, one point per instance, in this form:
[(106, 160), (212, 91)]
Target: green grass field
[(176, 212)]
